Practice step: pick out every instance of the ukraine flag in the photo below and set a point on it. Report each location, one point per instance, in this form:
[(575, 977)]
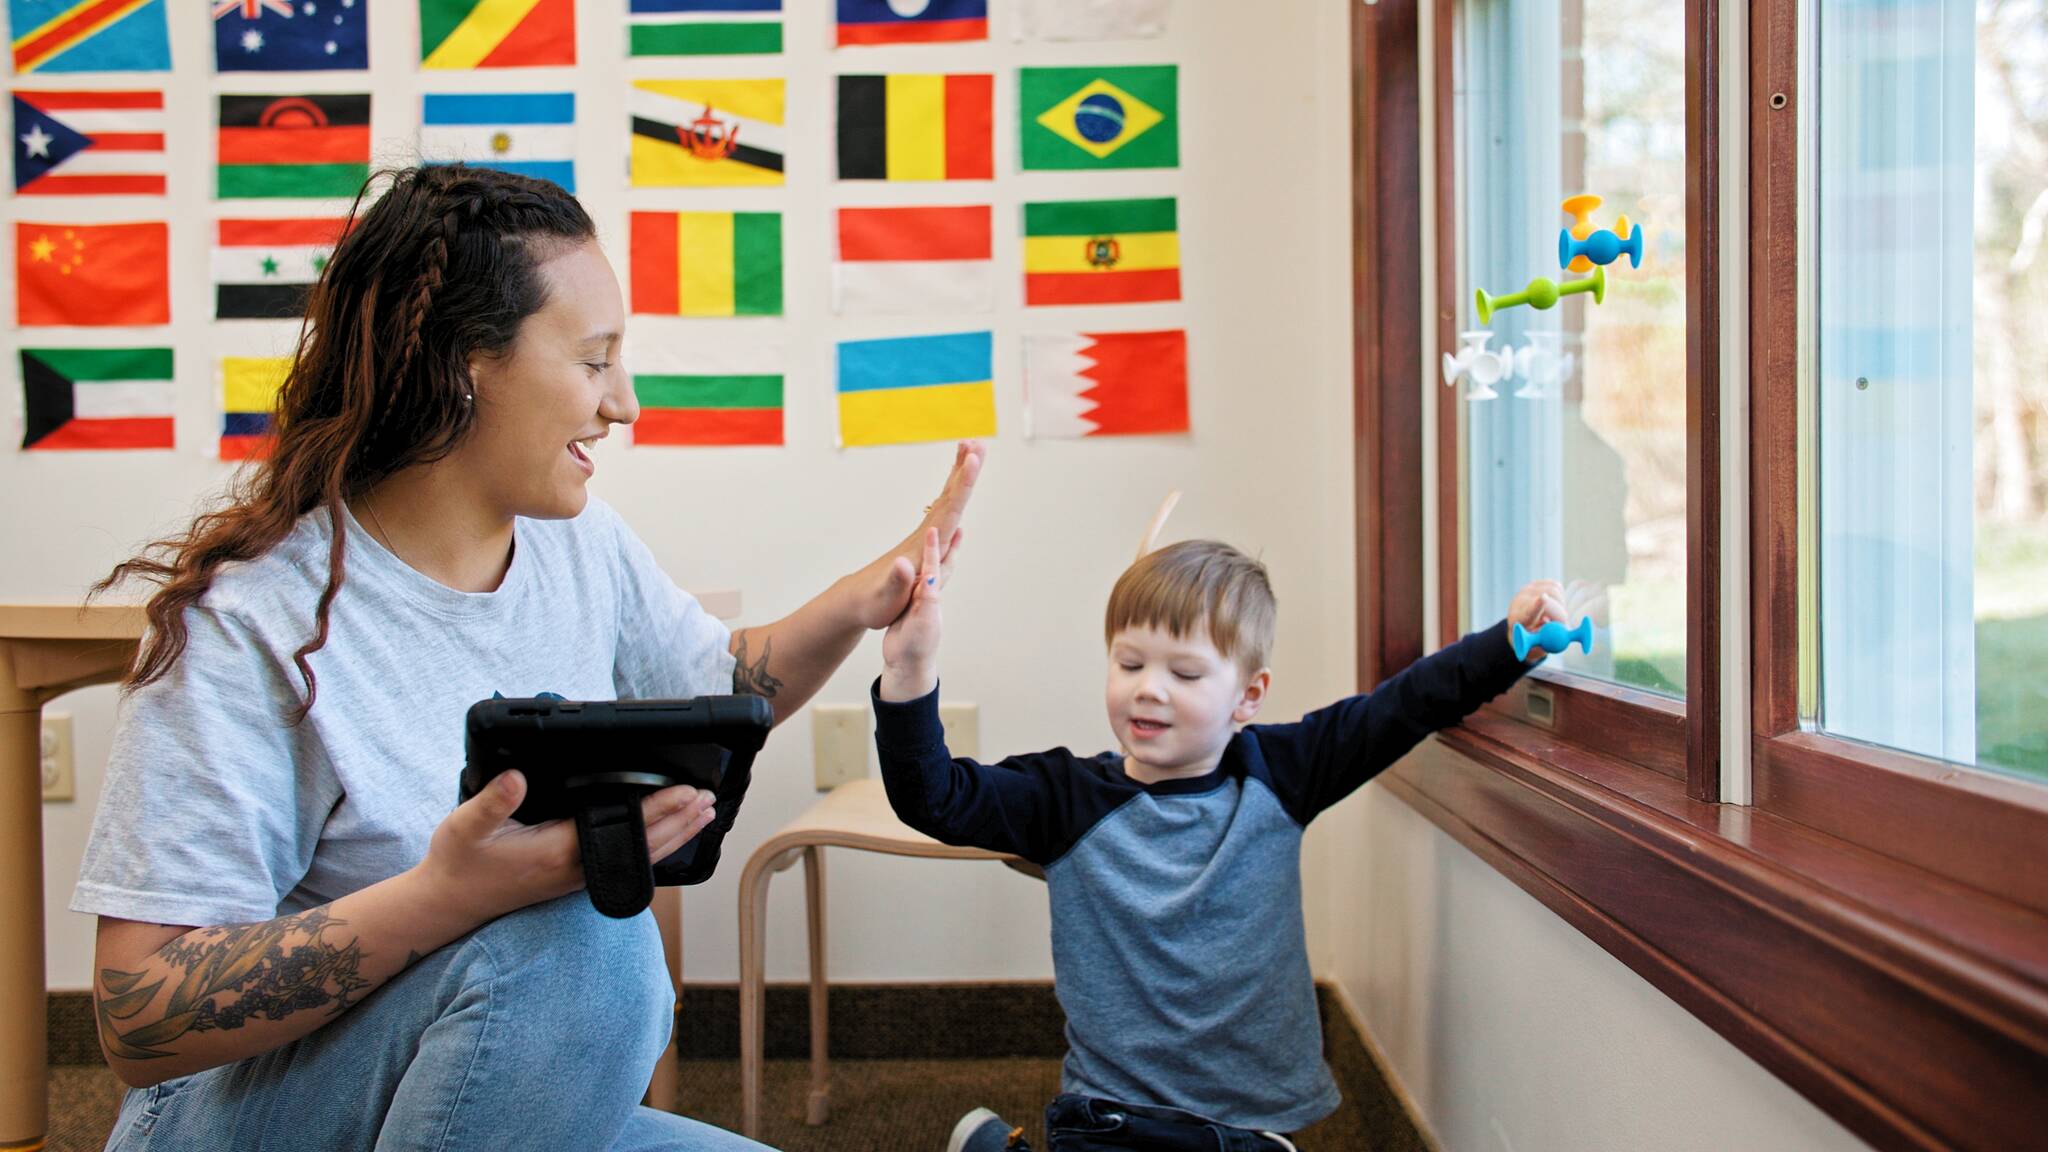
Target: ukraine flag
[(916, 388)]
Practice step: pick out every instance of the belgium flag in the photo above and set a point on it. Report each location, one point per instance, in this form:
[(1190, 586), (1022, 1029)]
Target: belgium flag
[(916, 127)]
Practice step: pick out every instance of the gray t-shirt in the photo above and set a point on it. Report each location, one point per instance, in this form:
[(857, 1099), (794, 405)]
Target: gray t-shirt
[(216, 810)]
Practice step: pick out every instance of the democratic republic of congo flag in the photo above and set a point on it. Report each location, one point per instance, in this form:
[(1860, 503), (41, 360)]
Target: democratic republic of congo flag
[(462, 34), (89, 35), (707, 263), (79, 398), (1101, 251)]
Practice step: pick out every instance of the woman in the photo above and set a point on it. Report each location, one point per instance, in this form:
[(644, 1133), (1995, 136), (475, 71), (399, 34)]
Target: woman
[(299, 944)]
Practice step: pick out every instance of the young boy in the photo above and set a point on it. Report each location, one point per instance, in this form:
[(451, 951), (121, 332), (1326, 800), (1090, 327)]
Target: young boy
[(1174, 866)]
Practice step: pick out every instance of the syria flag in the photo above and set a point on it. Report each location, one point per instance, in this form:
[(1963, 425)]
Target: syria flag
[(1106, 384)]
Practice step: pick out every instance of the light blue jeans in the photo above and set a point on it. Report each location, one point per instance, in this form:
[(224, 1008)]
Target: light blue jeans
[(538, 1030)]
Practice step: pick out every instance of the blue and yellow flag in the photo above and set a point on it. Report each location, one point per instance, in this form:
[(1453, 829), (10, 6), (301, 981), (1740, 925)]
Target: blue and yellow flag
[(916, 388)]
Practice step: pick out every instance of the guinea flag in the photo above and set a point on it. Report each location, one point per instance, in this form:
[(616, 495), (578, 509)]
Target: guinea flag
[(1106, 383), (907, 126), (911, 21), (75, 398), (315, 145), (1101, 251), (95, 275), (707, 263)]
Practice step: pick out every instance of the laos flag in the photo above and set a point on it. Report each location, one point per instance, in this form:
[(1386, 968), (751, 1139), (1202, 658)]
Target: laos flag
[(911, 21)]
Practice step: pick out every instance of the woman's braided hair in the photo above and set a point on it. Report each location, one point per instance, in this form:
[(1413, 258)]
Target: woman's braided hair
[(442, 268)]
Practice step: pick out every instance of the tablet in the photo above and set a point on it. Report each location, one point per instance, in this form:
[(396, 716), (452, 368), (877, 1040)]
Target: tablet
[(594, 760)]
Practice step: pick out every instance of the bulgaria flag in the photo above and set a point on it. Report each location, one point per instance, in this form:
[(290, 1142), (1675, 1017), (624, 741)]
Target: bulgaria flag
[(92, 274), (914, 260), (96, 398), (906, 126), (707, 263), (263, 269), (709, 394), (1101, 252), (704, 27), (249, 387), (706, 133), (911, 21), (1106, 384)]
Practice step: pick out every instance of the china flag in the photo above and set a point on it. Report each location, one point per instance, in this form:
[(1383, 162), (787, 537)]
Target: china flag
[(96, 275)]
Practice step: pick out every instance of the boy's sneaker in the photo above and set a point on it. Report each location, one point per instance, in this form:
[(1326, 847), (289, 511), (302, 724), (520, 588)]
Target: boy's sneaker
[(983, 1131)]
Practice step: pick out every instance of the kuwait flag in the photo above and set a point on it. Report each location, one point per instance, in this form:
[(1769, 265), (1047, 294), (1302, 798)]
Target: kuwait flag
[(707, 263), (96, 275), (96, 398), (1106, 384), (911, 21), (263, 269), (531, 133), (916, 388), (706, 133), (249, 387), (914, 260), (711, 394), (461, 34), (916, 127), (704, 27), (293, 146), (89, 143), (1101, 251)]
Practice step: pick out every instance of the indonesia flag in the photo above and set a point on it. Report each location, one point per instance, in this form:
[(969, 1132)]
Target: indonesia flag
[(1106, 384), (913, 260)]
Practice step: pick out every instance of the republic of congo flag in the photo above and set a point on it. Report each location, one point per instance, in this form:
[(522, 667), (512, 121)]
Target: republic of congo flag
[(1089, 118), (462, 34), (1101, 251), (96, 143), (249, 387), (96, 398), (96, 275), (89, 35), (316, 145), (263, 269), (897, 22), (709, 394), (1106, 383), (706, 133), (707, 263), (704, 28), (905, 126), (916, 388), (531, 133)]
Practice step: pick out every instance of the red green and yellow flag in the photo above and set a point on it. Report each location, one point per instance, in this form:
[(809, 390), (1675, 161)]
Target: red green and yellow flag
[(249, 387), (1101, 251), (464, 34), (707, 263)]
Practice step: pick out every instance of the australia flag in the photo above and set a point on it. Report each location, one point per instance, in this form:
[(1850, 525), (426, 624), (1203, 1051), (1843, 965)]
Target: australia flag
[(290, 35)]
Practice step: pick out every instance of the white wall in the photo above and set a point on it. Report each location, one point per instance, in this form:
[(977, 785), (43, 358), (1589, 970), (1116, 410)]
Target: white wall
[(1265, 229)]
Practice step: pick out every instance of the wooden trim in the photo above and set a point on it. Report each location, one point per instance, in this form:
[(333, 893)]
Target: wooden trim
[(1449, 459), (1703, 399), (1774, 366), (1640, 727), (1338, 1003), (1913, 1010)]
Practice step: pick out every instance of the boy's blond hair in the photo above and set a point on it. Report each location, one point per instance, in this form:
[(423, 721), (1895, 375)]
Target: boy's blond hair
[(1196, 587)]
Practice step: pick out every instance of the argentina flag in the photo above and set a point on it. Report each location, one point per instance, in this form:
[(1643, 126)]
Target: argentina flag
[(531, 133), (290, 35)]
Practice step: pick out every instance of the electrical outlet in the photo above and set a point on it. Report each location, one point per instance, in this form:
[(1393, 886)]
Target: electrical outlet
[(963, 728), (840, 739), (59, 780)]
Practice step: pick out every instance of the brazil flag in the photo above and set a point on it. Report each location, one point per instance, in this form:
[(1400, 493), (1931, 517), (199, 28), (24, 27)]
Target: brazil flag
[(1083, 118)]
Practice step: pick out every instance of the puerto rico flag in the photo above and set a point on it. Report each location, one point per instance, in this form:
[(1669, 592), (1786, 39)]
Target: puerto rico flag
[(88, 143), (911, 21)]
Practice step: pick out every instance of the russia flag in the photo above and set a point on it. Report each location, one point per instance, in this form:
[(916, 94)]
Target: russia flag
[(911, 21)]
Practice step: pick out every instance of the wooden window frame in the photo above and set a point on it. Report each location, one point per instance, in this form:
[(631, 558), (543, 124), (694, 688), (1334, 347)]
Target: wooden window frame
[(1874, 927)]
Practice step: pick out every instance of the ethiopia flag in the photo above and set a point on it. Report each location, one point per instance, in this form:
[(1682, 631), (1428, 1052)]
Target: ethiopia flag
[(89, 35), (709, 395), (704, 28), (916, 388), (706, 133), (316, 145), (1101, 252), (97, 143), (463, 34), (276, 36), (263, 269), (249, 387), (707, 263), (96, 398), (102, 275), (1106, 383), (1099, 117), (911, 21), (915, 127)]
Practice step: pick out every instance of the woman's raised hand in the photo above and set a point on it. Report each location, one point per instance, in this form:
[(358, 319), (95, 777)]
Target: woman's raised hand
[(883, 588)]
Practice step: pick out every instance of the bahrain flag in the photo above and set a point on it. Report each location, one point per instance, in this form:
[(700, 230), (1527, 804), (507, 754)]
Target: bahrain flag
[(1106, 383)]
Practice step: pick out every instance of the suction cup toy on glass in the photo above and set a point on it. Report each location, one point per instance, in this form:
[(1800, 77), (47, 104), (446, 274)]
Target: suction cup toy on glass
[(1552, 637), (1542, 293), (1580, 245), (1478, 365)]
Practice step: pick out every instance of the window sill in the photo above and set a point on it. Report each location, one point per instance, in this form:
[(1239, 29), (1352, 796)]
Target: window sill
[(1911, 1008)]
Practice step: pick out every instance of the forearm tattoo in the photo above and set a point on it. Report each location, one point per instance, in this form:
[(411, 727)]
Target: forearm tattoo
[(232, 975), (752, 679)]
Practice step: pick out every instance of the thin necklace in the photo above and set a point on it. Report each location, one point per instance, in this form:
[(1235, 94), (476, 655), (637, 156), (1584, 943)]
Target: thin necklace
[(381, 530)]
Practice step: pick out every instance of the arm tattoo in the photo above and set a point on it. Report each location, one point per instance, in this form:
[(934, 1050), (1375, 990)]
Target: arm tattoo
[(265, 971), (752, 679)]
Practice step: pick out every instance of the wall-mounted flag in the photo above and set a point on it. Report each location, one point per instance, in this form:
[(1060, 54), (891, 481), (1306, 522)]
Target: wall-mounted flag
[(911, 21), (249, 387), (1091, 19), (464, 34), (704, 28), (95, 275), (706, 133), (263, 269), (1083, 118), (531, 133), (707, 263), (1106, 383), (98, 143), (315, 145), (708, 393), (89, 35), (78, 398), (916, 388), (284, 36), (1101, 251), (914, 260), (906, 126)]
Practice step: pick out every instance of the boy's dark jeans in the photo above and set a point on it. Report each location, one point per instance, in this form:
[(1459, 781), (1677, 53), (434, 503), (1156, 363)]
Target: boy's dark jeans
[(1085, 1124)]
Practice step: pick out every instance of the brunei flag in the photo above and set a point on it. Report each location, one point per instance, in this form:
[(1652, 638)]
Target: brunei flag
[(1101, 252), (313, 146), (911, 21), (706, 133), (96, 398), (263, 269), (88, 143), (463, 34), (916, 127), (709, 394), (707, 263), (1106, 384), (916, 388), (249, 387), (89, 35), (704, 28), (914, 260), (1088, 118), (96, 275)]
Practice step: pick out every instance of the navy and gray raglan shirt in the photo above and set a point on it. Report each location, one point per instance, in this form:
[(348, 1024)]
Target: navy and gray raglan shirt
[(1178, 947)]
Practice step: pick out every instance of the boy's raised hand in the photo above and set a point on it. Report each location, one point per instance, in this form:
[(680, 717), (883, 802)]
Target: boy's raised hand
[(910, 648), (1537, 602)]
